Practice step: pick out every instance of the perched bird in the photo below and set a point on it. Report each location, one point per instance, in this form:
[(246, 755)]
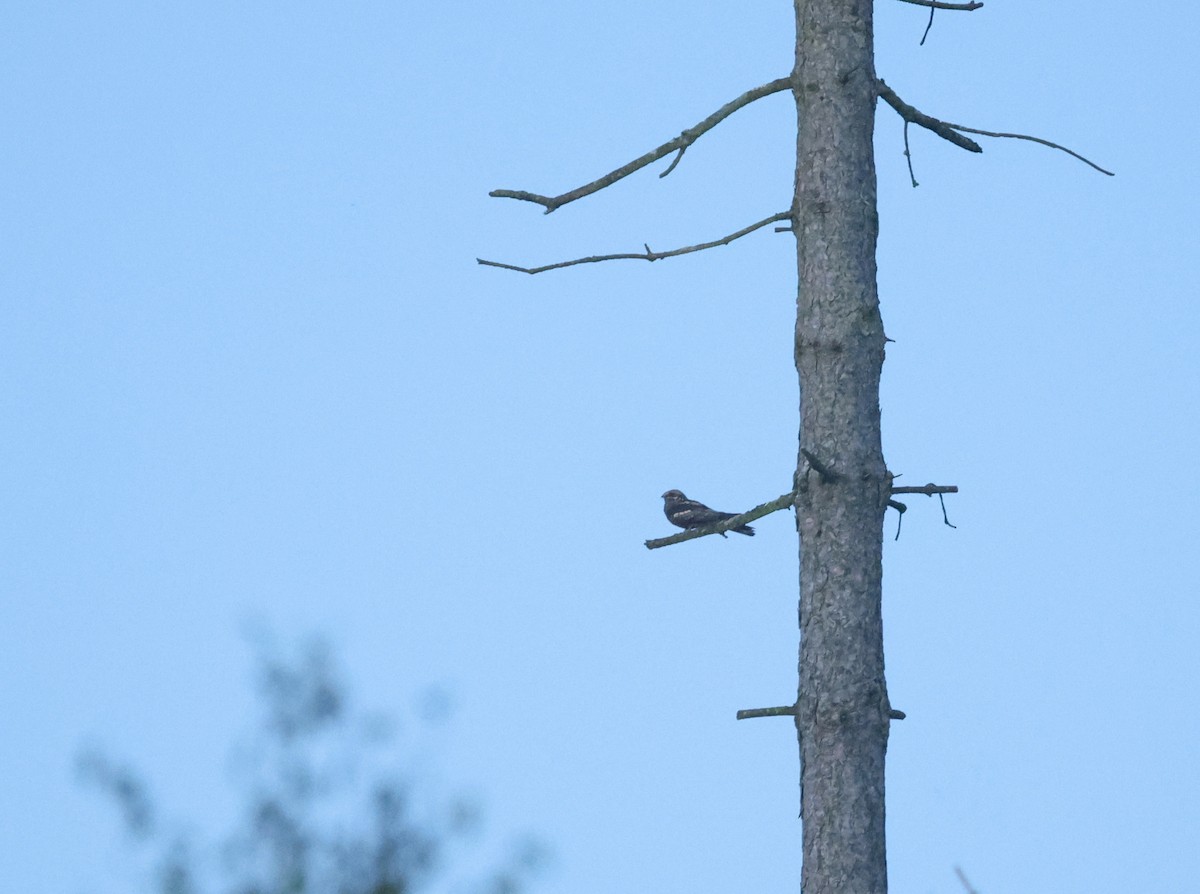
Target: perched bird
[(689, 514)]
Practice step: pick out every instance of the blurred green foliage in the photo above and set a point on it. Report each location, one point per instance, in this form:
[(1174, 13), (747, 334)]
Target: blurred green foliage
[(329, 809)]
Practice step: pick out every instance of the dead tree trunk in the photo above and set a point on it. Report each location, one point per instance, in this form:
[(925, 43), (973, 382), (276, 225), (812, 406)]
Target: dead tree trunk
[(842, 483), (841, 486)]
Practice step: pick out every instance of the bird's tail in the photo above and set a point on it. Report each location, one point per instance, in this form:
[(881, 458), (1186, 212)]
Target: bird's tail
[(745, 529)]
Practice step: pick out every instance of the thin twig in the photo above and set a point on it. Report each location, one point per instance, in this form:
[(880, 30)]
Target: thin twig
[(648, 255), (782, 711), (780, 502), (900, 510), (676, 160), (928, 25), (945, 517), (937, 4), (963, 878), (1021, 136), (908, 156), (678, 144)]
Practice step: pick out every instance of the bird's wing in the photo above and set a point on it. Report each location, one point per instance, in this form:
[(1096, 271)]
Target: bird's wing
[(692, 513)]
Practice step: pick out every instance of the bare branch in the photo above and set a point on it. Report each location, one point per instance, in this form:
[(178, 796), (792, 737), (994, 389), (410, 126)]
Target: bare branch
[(949, 131), (783, 711), (916, 116), (676, 160), (937, 4), (945, 517), (928, 25), (928, 489), (781, 502), (679, 144), (900, 510), (1021, 136), (647, 255), (908, 156), (963, 878), (790, 711)]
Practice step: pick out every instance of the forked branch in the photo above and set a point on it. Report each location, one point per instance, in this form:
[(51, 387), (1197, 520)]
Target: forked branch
[(679, 144), (780, 502), (647, 255)]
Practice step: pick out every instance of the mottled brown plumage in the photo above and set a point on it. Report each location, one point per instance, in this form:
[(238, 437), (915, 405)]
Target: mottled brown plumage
[(689, 514)]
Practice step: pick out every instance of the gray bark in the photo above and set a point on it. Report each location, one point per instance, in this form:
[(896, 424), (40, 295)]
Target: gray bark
[(841, 712)]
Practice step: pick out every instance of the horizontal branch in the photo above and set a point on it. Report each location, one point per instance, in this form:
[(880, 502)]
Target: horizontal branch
[(648, 255), (937, 4), (914, 115), (679, 144), (928, 489), (790, 711), (783, 711), (781, 502)]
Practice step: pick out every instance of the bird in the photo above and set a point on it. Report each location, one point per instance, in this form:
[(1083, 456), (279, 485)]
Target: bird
[(689, 514)]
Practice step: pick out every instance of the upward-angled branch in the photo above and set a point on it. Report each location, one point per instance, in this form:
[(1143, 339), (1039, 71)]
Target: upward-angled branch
[(780, 502), (679, 144)]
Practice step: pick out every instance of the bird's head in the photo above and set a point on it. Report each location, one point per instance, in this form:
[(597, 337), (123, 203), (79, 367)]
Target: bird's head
[(674, 495)]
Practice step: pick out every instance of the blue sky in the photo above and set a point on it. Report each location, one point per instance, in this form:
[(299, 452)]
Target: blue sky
[(251, 373)]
